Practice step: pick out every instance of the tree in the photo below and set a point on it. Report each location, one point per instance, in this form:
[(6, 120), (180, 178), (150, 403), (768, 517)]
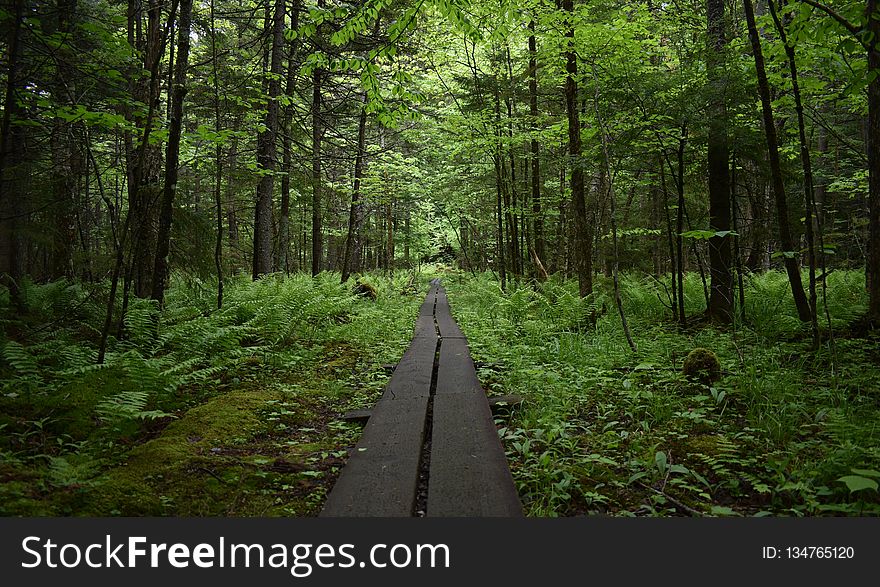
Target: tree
[(537, 216), (789, 252), (720, 307), (267, 151), (583, 240), (172, 153)]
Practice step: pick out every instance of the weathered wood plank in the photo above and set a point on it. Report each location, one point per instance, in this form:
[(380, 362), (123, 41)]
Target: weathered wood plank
[(456, 372), (469, 475), (412, 377), (358, 416), (445, 322), (380, 477)]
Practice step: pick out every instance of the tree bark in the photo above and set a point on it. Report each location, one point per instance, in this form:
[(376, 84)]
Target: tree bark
[(873, 265), (809, 203), (786, 239), (317, 244), (11, 139), (583, 237), (287, 154), (354, 213), (267, 151), (172, 153), (720, 307)]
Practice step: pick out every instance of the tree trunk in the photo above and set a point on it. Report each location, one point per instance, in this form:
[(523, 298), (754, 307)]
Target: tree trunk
[(317, 244), (355, 213), (11, 139), (785, 236), (679, 225), (873, 265), (146, 161), (172, 153), (499, 189), (287, 155), (809, 204), (267, 152), (720, 307), (515, 257), (583, 237), (218, 163)]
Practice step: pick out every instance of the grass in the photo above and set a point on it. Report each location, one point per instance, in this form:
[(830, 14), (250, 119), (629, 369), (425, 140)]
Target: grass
[(603, 430), (231, 412)]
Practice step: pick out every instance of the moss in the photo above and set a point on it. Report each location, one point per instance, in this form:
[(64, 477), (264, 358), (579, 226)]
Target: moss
[(702, 365), (190, 469), (365, 289)]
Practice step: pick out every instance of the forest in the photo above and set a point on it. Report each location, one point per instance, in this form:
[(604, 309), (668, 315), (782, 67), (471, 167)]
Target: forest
[(658, 224)]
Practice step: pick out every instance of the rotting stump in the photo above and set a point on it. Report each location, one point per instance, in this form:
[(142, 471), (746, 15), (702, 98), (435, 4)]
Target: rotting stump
[(430, 446)]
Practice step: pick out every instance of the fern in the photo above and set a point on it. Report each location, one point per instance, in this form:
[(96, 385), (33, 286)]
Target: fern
[(21, 361), (127, 405)]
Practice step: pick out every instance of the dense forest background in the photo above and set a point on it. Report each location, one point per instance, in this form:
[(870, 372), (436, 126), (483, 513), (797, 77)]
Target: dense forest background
[(652, 169)]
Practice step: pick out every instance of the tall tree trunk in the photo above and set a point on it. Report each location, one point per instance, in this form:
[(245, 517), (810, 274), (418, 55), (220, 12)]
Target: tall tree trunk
[(11, 139), (65, 145), (499, 189), (146, 160), (809, 204), (671, 243), (785, 236), (172, 153), (317, 243), (873, 265), (287, 154), (355, 210), (720, 307), (267, 151), (515, 257), (679, 224), (583, 236), (218, 176), (389, 235)]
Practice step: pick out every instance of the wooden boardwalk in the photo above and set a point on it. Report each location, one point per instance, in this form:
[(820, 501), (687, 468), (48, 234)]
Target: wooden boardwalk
[(430, 446)]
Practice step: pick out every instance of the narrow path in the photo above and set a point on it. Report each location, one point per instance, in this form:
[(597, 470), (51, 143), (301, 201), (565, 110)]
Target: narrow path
[(430, 446)]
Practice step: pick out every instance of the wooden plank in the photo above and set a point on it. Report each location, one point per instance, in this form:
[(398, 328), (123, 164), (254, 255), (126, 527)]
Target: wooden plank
[(424, 327), (412, 377), (381, 475), (456, 372), (357, 416), (445, 322), (469, 476)]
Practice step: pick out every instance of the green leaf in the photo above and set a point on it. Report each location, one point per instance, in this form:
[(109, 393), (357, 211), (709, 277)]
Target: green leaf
[(698, 234), (858, 483), (866, 472), (660, 461)]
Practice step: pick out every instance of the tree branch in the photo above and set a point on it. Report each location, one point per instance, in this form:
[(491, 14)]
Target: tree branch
[(853, 29)]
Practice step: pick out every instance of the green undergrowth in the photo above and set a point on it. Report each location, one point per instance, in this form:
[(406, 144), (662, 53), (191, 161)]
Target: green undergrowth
[(785, 431), (203, 412)]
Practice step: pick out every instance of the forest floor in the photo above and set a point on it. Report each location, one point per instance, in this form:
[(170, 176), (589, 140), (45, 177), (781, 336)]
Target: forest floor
[(242, 414), (237, 412)]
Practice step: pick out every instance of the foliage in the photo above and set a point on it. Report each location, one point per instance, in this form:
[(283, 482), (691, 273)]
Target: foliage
[(785, 431), (283, 355)]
